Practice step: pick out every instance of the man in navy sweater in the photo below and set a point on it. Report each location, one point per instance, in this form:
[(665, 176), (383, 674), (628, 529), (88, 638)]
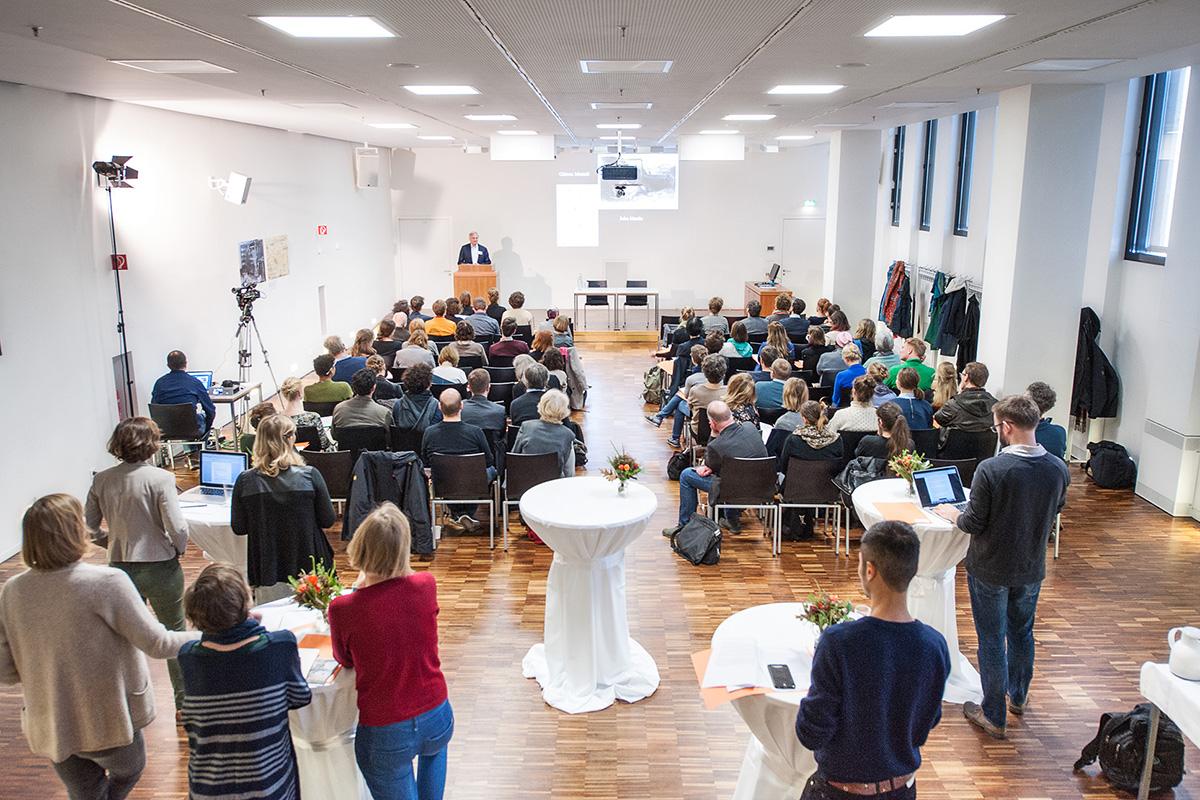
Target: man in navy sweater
[(1014, 499), (877, 682), (177, 387)]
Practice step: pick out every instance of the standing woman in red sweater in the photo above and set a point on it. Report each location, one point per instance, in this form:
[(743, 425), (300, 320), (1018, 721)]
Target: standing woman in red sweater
[(386, 631)]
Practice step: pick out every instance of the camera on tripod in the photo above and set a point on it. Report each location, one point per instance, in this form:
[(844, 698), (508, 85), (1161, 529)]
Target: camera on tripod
[(246, 295)]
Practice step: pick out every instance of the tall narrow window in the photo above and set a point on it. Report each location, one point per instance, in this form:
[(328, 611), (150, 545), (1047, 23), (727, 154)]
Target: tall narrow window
[(1164, 96), (927, 172), (962, 185), (897, 173)]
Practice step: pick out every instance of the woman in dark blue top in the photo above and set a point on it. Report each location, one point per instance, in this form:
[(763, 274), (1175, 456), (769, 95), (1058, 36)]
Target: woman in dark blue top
[(917, 410)]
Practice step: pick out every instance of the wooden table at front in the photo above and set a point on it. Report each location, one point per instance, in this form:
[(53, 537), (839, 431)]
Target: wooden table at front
[(765, 295)]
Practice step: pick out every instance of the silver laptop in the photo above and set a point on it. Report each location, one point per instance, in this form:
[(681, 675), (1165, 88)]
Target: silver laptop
[(219, 470), (940, 485), (203, 377)]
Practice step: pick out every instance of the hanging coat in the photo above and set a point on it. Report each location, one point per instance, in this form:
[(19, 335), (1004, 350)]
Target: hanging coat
[(892, 293), (1096, 389), (936, 294), (953, 317), (968, 337), (901, 322), (380, 476)]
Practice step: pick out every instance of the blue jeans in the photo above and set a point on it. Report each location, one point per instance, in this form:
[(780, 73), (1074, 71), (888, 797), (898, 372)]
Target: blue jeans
[(690, 485), (385, 754), (1004, 624)]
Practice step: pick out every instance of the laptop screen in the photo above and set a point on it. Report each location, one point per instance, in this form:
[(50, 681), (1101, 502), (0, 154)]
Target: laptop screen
[(220, 468), (940, 485), (203, 377)]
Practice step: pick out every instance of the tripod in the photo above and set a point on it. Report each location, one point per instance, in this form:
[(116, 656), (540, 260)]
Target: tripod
[(246, 324)]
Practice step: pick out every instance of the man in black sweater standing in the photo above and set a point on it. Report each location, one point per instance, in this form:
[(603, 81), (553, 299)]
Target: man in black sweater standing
[(877, 682), (1015, 497)]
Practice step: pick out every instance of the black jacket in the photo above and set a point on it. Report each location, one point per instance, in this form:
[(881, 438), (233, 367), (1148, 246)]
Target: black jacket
[(382, 476), (524, 408), (283, 519), (1096, 389)]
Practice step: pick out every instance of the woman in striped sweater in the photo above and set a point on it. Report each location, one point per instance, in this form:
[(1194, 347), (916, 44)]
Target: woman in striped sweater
[(239, 684)]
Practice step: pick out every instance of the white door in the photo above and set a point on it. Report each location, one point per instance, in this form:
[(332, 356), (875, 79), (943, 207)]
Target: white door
[(804, 256), (425, 258)]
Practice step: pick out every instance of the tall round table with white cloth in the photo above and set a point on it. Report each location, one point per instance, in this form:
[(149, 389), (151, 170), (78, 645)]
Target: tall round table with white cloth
[(588, 659), (931, 593), (210, 529), (776, 766), (323, 731)]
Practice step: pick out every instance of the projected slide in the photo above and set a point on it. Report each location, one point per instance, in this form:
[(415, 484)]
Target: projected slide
[(577, 220), (657, 186)]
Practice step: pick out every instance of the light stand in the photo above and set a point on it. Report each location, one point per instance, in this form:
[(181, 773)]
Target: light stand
[(111, 175)]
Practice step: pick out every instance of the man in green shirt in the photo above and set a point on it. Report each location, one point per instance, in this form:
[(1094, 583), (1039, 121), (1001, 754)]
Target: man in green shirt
[(912, 354), (326, 389)]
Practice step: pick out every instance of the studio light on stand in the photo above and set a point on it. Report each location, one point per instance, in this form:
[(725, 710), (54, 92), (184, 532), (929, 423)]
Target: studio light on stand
[(116, 174)]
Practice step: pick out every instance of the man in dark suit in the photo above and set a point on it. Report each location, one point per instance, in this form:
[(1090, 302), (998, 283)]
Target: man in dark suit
[(473, 252), (524, 408), (796, 324), (489, 416)]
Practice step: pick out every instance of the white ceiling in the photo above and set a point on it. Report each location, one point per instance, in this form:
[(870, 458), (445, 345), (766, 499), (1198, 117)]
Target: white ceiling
[(523, 55)]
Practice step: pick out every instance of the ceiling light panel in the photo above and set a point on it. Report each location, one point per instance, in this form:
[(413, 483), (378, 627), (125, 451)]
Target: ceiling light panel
[(187, 66), (490, 117), (619, 126), (329, 27), (621, 106), (805, 88), (718, 133), (448, 89), (933, 24), (747, 117), (1065, 64), (517, 133), (617, 138), (600, 67)]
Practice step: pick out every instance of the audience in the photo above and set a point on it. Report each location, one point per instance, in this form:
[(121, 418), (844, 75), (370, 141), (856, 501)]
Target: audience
[(864, 338), (742, 399), (361, 410), (883, 393), (524, 408), (700, 395), (415, 304), (240, 683), (892, 438), (714, 341), (344, 365), (693, 334), (1015, 497), (494, 309), (326, 389), (447, 370), (838, 334), (971, 408), (454, 309), (562, 332), (477, 409), (464, 341), (72, 635), (364, 344), (810, 441), (738, 345), (481, 322), (783, 309), (441, 324), (912, 354), (385, 345), (556, 364), (517, 311), (714, 321), (945, 384), (876, 683), (417, 409), (465, 302), (1050, 436), (860, 414), (178, 387), (384, 388), (543, 341), (677, 407), (256, 415), (853, 371), (822, 315), (777, 338), (417, 350), (883, 351), (810, 354), (399, 315), (795, 323), (387, 633), (917, 410), (508, 347), (770, 393), (547, 434), (795, 395), (289, 393), (767, 356), (754, 323), (453, 437)]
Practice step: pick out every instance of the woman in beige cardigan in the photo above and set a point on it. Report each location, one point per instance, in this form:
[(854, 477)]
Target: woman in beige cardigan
[(81, 659)]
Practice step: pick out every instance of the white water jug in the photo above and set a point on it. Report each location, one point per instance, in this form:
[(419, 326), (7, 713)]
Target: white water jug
[(1185, 652)]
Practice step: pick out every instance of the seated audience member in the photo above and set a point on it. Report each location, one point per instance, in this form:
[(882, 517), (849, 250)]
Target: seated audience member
[(730, 439), (714, 341), (783, 309), (811, 441), (1048, 435), (361, 411), (741, 397), (892, 436), (883, 393), (845, 378), (415, 304), (256, 415), (520, 364), (770, 393), (344, 364), (441, 324), (385, 345), (754, 322), (399, 316), (883, 351), (839, 328), (289, 392), (494, 309), (447, 370), (561, 329), (517, 311), (387, 633), (177, 387), (464, 342), (971, 408), (548, 323), (777, 337), (945, 384), (738, 344), (384, 388), (693, 334), (912, 354), (453, 437), (795, 323), (821, 318), (795, 395), (419, 325), (810, 353), (714, 321), (481, 321), (72, 634), (282, 506), (326, 389), (917, 410), (415, 351), (417, 409), (860, 414), (885, 666), (556, 364), (508, 347), (547, 434), (714, 369), (679, 334), (477, 409), (465, 301), (766, 357), (454, 309), (543, 341), (524, 408), (677, 407), (364, 344), (240, 682), (864, 338)]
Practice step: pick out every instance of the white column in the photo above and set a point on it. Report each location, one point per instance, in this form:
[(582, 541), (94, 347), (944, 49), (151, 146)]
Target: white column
[(854, 158)]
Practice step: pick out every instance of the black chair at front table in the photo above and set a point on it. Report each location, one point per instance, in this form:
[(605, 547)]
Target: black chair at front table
[(740, 364), (499, 362), (401, 439), (310, 435), (850, 440), (595, 300), (524, 333), (397, 373), (179, 425), (463, 480), (769, 416), (468, 363), (437, 389), (502, 393), (635, 301), (522, 472)]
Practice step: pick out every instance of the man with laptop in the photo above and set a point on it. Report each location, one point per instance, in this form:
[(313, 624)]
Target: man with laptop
[(1015, 497), (178, 386)]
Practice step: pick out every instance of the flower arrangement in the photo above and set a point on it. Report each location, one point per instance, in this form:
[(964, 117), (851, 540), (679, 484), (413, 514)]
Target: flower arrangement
[(316, 589), (905, 463), (622, 467), (823, 609)]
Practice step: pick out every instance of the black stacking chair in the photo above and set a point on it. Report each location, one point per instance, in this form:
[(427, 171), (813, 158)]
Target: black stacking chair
[(747, 483), (809, 484), (522, 472), (463, 480)]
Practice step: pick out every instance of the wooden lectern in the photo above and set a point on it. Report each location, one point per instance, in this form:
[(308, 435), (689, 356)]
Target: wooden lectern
[(765, 295), (474, 278)]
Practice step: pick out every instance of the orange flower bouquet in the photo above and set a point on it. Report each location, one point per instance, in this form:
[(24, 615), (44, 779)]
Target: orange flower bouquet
[(622, 467), (905, 463), (316, 589), (824, 609)]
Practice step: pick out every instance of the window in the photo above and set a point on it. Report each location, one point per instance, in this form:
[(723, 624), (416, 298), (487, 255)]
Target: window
[(962, 185), (1164, 96), (927, 172), (897, 173)]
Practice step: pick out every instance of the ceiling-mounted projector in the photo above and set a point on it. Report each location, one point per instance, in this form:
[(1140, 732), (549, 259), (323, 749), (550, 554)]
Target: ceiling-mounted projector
[(626, 173)]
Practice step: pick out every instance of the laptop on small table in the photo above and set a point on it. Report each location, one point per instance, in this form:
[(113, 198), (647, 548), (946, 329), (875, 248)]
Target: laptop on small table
[(219, 470), (940, 485)]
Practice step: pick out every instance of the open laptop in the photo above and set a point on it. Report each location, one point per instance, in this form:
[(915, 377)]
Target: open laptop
[(940, 485), (203, 377), (218, 471)]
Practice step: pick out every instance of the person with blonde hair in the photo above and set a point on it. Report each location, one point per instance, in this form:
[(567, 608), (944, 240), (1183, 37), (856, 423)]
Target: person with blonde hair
[(883, 393), (344, 363), (853, 371), (741, 395), (494, 309), (291, 391), (548, 434), (282, 507), (416, 350), (912, 354), (777, 338), (75, 636), (860, 414), (864, 337), (364, 343), (945, 384), (562, 332), (447, 370), (795, 395), (387, 632), (384, 388)]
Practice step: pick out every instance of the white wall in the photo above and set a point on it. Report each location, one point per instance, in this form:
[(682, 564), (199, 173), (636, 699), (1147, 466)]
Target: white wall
[(729, 212), (57, 302)]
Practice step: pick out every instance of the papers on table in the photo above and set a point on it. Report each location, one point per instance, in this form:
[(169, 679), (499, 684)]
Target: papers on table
[(308, 657), (285, 617), (741, 663)]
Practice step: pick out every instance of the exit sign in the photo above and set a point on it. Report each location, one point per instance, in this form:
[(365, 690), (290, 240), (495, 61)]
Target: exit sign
[(322, 230)]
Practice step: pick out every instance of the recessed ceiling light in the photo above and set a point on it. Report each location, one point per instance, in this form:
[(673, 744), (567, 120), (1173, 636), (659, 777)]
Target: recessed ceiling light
[(403, 65), (805, 88), (598, 66), (617, 138), (490, 117), (436, 138), (747, 117), (329, 27), (715, 132), (933, 24), (619, 126), (918, 104), (1065, 64), (517, 133), (393, 126), (446, 89), (187, 66), (852, 65), (604, 106), (794, 137)]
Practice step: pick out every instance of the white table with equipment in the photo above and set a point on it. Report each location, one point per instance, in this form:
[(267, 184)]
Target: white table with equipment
[(931, 593), (209, 528), (588, 659)]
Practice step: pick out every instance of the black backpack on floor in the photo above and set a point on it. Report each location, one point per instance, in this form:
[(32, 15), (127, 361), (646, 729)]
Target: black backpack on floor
[(1110, 466), (1121, 746), (698, 540), (677, 463)]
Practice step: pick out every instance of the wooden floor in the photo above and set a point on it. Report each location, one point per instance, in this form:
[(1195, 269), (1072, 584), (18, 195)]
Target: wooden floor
[(1127, 573)]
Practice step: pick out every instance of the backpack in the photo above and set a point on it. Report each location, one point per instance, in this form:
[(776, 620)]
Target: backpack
[(1110, 466), (860, 470), (698, 540), (652, 392), (1120, 744), (408, 416), (676, 464)]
